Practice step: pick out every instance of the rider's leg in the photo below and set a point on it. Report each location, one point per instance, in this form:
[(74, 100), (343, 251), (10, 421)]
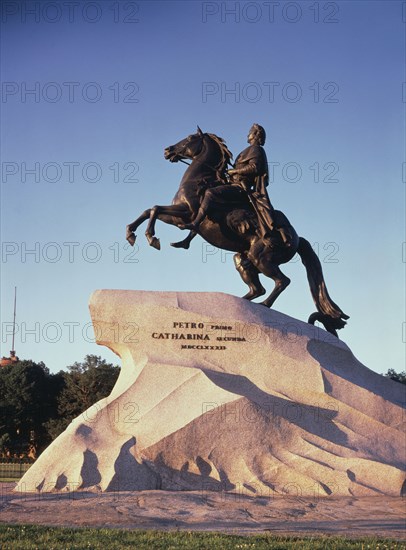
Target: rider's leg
[(208, 198), (249, 274), (216, 196)]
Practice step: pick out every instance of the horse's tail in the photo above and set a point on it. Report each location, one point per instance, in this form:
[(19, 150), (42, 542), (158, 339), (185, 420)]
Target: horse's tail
[(328, 313)]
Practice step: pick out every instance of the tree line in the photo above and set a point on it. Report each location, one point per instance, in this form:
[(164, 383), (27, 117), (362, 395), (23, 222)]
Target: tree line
[(36, 405)]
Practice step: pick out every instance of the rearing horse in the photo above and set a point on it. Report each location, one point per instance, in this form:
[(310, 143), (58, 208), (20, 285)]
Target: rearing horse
[(233, 226)]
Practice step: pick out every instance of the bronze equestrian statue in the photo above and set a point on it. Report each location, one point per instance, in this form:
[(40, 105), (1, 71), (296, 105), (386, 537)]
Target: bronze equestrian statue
[(250, 171), (231, 210)]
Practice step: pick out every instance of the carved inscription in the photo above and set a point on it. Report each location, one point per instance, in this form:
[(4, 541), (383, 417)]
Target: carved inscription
[(200, 336)]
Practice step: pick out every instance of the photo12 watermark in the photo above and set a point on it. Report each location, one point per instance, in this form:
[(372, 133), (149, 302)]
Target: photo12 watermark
[(294, 172), (69, 252), (270, 12), (69, 92), (69, 172), (69, 332), (270, 92), (70, 11), (252, 412), (327, 253)]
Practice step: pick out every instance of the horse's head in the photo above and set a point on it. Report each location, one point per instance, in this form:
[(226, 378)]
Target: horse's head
[(188, 148), (209, 150)]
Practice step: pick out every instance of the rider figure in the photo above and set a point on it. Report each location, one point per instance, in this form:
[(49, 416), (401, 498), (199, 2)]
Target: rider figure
[(251, 173), (248, 177)]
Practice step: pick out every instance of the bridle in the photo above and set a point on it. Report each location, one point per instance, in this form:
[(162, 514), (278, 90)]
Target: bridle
[(215, 169)]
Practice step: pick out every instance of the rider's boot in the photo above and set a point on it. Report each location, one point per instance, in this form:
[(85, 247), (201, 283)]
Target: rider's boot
[(186, 242)]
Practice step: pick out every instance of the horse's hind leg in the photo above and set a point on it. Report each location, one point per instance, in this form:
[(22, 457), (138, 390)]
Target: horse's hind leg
[(130, 236), (249, 274), (281, 282)]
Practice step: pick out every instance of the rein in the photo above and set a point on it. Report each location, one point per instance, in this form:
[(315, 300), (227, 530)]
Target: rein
[(215, 170)]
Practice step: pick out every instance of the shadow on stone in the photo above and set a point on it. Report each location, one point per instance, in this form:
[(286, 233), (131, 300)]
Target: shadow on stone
[(130, 475), (184, 480), (315, 420), (61, 482), (342, 363), (89, 473), (84, 430), (204, 467)]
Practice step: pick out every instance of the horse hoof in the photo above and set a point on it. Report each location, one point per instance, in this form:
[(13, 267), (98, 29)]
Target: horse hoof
[(153, 241), (265, 304), (131, 238)]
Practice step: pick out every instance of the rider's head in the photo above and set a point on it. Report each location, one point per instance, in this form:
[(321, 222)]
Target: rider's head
[(257, 134)]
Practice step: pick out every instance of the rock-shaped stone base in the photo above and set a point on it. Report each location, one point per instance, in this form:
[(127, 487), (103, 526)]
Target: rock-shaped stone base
[(217, 393)]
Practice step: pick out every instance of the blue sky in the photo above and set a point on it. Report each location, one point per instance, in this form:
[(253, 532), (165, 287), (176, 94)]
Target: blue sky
[(116, 82)]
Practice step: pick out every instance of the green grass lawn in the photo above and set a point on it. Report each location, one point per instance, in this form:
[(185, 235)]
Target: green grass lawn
[(29, 537)]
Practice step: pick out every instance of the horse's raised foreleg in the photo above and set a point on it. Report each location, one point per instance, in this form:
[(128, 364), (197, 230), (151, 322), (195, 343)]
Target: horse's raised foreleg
[(130, 235), (172, 214)]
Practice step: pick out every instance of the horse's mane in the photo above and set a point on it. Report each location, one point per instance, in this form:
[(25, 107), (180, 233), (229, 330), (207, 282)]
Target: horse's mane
[(225, 153)]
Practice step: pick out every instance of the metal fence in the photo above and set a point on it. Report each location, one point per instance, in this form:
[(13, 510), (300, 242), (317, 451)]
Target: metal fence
[(13, 470)]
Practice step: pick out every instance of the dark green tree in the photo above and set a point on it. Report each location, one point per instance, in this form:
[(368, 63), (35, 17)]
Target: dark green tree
[(84, 384), (397, 376), (36, 406), (28, 399)]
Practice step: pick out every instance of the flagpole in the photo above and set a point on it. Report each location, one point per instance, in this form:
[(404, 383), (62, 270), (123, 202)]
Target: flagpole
[(14, 319)]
